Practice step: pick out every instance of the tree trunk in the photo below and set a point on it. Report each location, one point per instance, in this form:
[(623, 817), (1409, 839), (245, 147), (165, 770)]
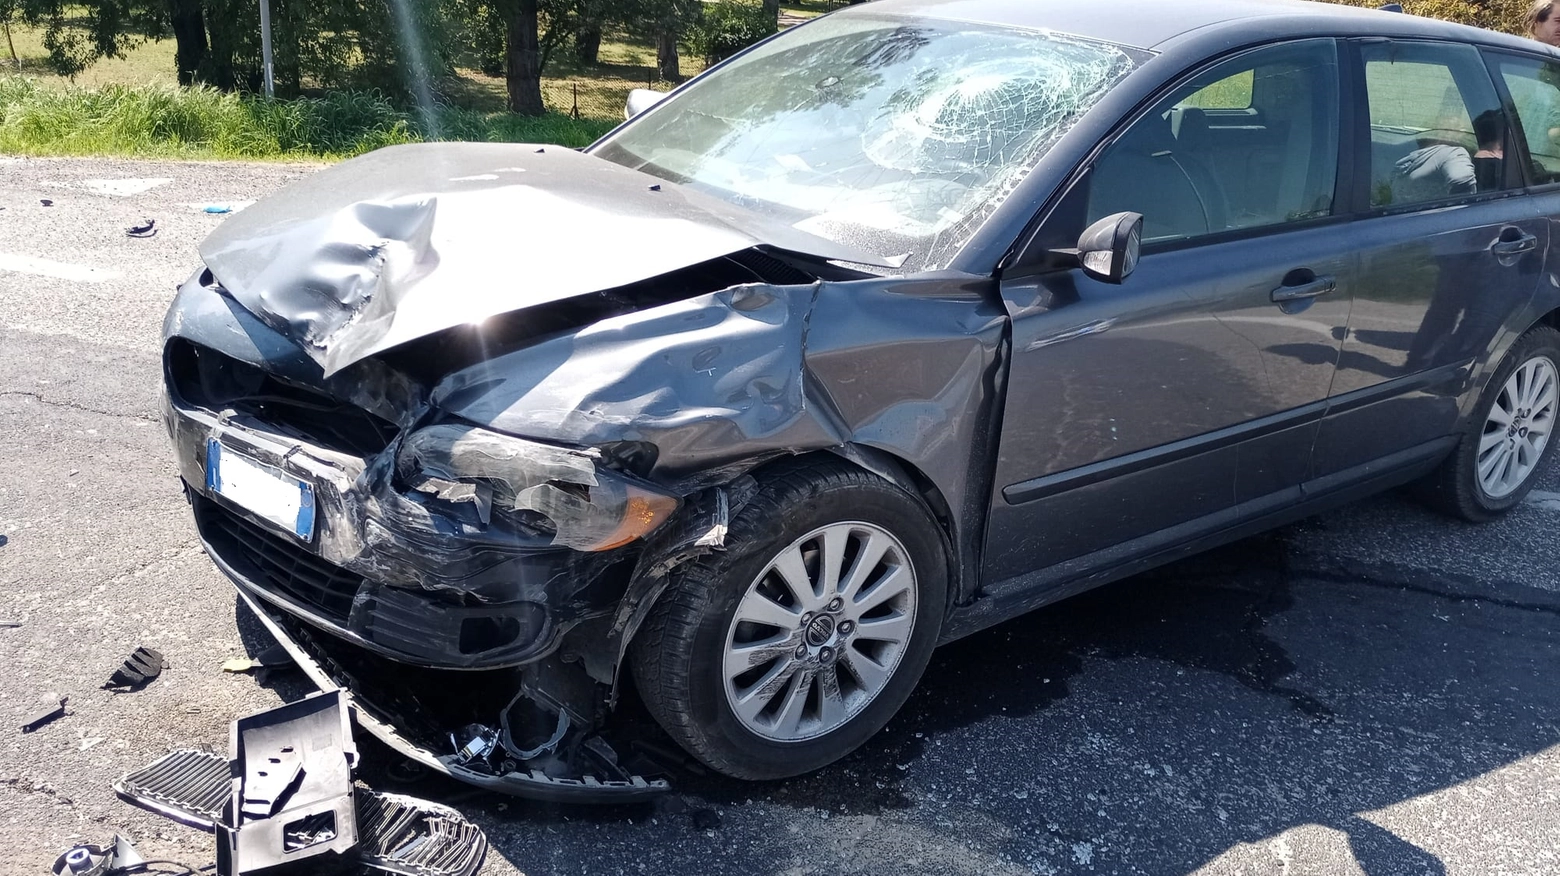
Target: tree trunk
[(189, 35), (772, 11), (523, 60), (666, 62), (15, 61), (587, 44), (220, 67)]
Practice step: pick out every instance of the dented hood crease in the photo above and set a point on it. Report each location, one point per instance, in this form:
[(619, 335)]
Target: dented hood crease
[(412, 240)]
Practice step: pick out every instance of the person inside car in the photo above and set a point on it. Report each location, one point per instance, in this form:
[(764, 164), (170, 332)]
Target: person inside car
[(1433, 172), (1542, 23), (1490, 161)]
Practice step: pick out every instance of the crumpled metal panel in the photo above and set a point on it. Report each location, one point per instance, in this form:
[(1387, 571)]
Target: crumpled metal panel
[(707, 381), (409, 240), (723, 381)]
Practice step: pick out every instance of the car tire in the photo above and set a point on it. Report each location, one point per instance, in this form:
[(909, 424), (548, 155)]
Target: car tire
[(801, 679), (1509, 438)]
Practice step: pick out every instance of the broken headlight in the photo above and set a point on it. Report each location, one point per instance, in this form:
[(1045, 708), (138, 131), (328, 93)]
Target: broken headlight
[(558, 490)]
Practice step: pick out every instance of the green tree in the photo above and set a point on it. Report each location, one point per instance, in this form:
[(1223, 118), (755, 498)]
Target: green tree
[(394, 45), (1504, 15)]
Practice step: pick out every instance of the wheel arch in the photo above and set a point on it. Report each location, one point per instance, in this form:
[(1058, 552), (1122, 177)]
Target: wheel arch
[(1543, 310), (664, 553)]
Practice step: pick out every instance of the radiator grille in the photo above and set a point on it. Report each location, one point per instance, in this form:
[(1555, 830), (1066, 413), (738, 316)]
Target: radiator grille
[(277, 563)]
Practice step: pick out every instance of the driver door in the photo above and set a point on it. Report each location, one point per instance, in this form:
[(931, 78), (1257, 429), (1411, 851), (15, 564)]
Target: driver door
[(1142, 414)]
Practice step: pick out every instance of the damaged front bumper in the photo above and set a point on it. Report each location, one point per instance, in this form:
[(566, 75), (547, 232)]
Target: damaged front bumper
[(383, 577), (579, 768), (445, 634), (341, 627)]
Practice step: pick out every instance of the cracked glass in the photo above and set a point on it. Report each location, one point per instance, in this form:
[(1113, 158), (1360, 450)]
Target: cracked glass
[(897, 136)]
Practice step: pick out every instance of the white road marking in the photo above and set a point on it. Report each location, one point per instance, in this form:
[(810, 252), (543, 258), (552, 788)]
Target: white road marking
[(22, 264), (1544, 499), (124, 188)]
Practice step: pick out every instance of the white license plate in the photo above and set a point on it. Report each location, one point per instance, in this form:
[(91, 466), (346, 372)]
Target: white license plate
[(260, 489)]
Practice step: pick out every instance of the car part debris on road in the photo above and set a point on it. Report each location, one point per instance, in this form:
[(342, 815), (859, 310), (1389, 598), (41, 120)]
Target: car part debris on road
[(274, 657), (147, 228), (47, 716), (140, 669), (285, 802), (89, 860)]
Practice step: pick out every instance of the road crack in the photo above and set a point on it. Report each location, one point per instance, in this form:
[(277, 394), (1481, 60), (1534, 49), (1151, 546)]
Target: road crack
[(150, 418), (1441, 586)]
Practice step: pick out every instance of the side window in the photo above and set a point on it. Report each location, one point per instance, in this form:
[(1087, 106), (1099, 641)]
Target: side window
[(1251, 142), (1436, 126), (1534, 86)]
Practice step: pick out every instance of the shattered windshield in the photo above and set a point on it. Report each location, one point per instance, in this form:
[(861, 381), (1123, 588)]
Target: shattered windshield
[(897, 137)]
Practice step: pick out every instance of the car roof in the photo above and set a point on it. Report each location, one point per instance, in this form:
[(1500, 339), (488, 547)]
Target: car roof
[(1149, 24)]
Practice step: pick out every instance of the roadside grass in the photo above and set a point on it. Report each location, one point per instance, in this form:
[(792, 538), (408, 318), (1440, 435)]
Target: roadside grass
[(163, 121), (132, 106)]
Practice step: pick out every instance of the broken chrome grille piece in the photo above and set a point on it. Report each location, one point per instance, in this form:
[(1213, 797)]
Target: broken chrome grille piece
[(268, 811), (187, 785), (416, 838)]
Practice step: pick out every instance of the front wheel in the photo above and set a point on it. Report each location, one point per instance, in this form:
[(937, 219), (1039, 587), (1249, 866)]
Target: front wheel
[(797, 643), (1506, 444)]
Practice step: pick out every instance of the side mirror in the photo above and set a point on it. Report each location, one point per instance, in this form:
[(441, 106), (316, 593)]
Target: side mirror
[(1108, 249), (641, 99)]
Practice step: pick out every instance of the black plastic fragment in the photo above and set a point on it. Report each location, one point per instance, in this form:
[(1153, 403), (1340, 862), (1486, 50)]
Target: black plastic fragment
[(140, 669), (48, 716), (46, 202), (147, 228), (274, 657)]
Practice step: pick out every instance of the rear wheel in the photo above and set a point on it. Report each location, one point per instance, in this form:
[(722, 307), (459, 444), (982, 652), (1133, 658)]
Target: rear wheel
[(797, 643), (1508, 440)]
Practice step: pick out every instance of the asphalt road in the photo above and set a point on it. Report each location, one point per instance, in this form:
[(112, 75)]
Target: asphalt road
[(1371, 691)]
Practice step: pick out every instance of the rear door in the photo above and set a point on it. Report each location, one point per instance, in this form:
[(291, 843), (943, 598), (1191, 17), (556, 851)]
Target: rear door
[(1448, 247), (1532, 90), (1141, 413)]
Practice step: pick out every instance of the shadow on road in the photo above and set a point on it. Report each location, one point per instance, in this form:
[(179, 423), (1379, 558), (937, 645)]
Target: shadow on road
[(1164, 719)]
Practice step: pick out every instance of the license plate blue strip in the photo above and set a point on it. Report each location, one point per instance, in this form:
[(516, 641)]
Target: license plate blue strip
[(242, 493)]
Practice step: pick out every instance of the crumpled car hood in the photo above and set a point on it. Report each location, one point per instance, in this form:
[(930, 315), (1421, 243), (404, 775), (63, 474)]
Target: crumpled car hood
[(411, 240)]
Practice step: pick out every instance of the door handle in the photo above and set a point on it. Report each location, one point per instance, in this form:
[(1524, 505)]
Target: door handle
[(1315, 288), (1515, 246)]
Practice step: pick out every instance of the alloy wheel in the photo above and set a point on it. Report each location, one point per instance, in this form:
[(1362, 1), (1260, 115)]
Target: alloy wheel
[(819, 633), (1517, 428)]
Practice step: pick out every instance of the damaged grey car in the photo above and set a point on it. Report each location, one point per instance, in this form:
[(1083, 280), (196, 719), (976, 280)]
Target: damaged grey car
[(905, 322)]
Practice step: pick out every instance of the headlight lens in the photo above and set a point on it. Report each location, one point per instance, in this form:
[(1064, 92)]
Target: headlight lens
[(589, 507)]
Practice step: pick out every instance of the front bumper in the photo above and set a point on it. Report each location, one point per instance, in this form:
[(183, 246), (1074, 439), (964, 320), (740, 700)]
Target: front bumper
[(383, 571), (314, 657)]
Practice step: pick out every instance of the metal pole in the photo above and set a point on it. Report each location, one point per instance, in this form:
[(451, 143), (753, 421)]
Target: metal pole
[(265, 47)]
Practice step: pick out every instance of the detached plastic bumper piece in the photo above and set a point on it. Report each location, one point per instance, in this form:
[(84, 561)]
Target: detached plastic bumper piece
[(292, 786), (287, 798)]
